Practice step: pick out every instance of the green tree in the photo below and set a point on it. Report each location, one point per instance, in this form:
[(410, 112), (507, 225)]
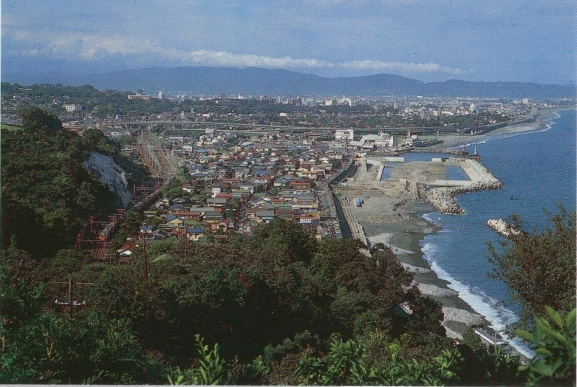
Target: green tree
[(94, 139), (213, 369), (346, 364), (35, 118), (554, 345), (43, 346), (539, 267)]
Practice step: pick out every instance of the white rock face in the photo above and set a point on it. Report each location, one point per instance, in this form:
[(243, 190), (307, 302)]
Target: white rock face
[(111, 174), (502, 227)]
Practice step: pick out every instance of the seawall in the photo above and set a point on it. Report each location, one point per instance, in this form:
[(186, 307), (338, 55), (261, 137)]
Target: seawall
[(444, 198), (331, 210)]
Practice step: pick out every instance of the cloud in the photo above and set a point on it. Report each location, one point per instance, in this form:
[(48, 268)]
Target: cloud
[(94, 47), (223, 58), (400, 66)]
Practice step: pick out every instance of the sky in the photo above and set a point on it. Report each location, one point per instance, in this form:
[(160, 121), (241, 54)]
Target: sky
[(428, 40)]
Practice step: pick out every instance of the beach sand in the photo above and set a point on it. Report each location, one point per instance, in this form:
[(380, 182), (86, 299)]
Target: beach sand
[(455, 140), (390, 214)]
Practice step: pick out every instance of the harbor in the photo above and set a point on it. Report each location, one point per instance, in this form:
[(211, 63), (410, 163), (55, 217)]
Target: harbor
[(387, 211), (435, 246)]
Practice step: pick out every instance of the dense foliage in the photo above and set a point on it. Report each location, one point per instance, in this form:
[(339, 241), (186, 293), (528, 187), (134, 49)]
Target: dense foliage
[(46, 191), (246, 294), (101, 103), (283, 308), (539, 267), (554, 345)]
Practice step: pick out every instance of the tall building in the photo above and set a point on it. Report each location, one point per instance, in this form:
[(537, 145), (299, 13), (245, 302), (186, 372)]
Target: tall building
[(160, 94)]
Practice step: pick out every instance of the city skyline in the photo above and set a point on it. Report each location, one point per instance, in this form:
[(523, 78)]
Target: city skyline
[(426, 40)]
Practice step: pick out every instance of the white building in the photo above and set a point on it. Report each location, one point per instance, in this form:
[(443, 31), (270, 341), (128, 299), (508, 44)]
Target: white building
[(344, 134), (345, 101), (379, 140), (71, 108)]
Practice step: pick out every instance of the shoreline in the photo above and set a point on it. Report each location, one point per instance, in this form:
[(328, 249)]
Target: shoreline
[(392, 213), (455, 140), (405, 240)]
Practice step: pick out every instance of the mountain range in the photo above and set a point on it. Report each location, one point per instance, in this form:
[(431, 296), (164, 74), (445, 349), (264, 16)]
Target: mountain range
[(208, 81)]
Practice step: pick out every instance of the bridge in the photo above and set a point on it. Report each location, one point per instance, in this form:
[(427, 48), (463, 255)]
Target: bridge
[(231, 127), (187, 125)]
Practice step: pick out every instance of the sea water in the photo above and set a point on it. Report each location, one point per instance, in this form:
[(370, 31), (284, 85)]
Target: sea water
[(538, 171)]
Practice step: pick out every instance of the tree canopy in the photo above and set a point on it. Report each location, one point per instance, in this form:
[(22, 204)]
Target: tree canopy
[(539, 267), (47, 193), (246, 294)]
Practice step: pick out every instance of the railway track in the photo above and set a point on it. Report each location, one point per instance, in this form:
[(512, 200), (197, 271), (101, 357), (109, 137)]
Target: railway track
[(154, 156)]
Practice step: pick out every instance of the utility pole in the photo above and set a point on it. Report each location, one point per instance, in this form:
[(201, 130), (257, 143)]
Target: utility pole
[(70, 302), (145, 261), (70, 290)]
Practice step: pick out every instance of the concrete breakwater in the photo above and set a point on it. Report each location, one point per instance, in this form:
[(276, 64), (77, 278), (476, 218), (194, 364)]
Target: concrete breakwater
[(444, 198), (481, 179)]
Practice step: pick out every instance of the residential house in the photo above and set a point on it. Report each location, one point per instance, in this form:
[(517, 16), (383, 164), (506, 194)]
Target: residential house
[(219, 227), (284, 212), (304, 201), (300, 185), (213, 216), (195, 233), (175, 208), (265, 216), (216, 203), (189, 215), (174, 221), (187, 187)]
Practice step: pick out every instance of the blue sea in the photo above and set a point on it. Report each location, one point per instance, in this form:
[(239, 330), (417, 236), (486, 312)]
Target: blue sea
[(538, 170)]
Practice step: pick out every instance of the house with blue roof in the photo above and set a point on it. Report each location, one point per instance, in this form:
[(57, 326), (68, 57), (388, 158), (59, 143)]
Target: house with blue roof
[(194, 233)]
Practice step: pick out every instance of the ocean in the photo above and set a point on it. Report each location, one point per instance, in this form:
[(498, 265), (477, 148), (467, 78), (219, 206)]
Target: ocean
[(538, 171)]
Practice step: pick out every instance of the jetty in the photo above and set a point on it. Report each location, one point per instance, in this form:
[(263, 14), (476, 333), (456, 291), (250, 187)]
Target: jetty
[(443, 197)]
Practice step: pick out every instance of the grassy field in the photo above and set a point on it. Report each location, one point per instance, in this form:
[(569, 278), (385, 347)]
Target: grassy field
[(10, 127)]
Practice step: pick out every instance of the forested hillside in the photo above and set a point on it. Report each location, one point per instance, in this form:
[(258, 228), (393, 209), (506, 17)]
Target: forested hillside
[(46, 191)]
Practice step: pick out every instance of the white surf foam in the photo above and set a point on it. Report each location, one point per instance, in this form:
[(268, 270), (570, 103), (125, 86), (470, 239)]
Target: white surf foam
[(496, 314), (483, 304)]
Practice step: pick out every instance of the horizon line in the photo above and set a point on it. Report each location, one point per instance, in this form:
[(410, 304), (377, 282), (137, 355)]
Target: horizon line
[(76, 74)]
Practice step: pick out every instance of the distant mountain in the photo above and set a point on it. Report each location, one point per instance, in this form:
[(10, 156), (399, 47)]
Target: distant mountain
[(209, 81)]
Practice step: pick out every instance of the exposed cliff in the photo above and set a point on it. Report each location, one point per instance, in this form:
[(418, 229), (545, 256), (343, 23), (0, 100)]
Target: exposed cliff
[(110, 173)]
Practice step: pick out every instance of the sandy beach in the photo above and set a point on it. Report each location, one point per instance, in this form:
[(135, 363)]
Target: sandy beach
[(454, 140), (391, 214)]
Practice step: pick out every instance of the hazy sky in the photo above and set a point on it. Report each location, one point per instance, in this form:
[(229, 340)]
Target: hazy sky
[(488, 40)]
